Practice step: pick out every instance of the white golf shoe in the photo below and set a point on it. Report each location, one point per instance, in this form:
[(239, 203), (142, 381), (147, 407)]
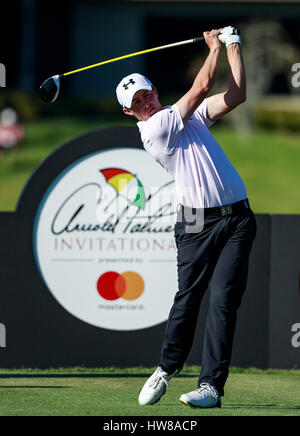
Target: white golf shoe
[(206, 396), (155, 387)]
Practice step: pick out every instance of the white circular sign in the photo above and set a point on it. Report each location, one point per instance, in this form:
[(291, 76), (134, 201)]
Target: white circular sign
[(104, 241)]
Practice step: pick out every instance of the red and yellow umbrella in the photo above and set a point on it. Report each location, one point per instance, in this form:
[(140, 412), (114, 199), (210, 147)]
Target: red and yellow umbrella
[(124, 180)]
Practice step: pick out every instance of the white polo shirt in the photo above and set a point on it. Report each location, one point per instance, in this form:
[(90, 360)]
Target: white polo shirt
[(204, 176)]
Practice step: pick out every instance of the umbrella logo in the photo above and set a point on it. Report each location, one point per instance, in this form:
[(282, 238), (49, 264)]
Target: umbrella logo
[(126, 185)]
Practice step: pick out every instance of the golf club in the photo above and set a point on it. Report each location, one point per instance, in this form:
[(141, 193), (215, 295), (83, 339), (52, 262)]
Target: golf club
[(50, 88)]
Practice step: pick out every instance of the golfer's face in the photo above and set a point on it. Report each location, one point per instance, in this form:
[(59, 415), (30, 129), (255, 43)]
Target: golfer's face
[(145, 104)]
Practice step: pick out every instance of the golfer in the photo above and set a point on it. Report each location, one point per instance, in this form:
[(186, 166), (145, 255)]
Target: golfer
[(215, 249)]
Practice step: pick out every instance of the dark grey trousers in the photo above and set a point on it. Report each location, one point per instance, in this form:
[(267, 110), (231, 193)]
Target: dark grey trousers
[(216, 256)]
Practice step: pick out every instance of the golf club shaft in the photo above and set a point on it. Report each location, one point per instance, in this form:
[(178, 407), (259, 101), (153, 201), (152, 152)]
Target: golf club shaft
[(175, 44)]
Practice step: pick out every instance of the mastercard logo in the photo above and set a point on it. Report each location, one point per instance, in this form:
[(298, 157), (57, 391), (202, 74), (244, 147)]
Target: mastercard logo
[(128, 285)]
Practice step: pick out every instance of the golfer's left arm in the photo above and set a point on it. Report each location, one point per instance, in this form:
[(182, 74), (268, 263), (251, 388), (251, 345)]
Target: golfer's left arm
[(220, 104)]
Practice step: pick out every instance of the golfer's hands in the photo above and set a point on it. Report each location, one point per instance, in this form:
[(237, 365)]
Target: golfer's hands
[(211, 38), (229, 35)]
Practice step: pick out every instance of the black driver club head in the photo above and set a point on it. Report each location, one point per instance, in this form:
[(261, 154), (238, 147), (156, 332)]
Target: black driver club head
[(49, 89)]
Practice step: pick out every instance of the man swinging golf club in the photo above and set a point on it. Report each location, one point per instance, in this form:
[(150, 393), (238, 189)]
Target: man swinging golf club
[(217, 252)]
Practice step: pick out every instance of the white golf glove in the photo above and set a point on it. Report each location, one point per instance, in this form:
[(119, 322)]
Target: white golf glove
[(229, 35)]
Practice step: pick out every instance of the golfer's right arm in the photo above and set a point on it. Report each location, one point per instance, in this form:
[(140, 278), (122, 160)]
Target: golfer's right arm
[(204, 80)]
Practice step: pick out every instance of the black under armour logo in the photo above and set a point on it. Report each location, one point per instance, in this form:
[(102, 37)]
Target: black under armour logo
[(125, 85)]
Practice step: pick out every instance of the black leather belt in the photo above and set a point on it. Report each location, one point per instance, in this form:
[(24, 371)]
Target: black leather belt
[(228, 209)]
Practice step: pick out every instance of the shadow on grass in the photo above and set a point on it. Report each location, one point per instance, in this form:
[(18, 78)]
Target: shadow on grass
[(35, 387), (259, 406), (84, 375)]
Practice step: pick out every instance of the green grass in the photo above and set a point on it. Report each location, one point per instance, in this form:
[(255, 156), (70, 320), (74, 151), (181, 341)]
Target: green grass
[(114, 392), (268, 161)]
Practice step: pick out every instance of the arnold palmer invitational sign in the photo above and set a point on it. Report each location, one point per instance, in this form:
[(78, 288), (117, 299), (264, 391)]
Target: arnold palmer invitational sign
[(103, 236)]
